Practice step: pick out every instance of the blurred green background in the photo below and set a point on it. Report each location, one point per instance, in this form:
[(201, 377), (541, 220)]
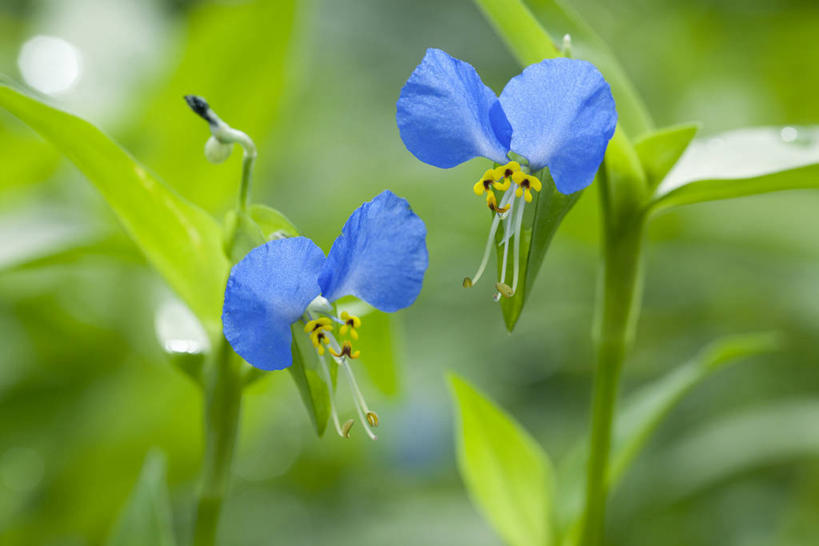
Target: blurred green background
[(86, 391)]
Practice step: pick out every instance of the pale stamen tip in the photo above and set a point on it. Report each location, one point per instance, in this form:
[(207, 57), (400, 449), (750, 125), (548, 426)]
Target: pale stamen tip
[(504, 289), (348, 425), (467, 282), (372, 418)]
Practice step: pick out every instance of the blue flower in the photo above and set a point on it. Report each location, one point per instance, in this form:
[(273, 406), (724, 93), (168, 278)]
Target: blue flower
[(380, 257), (557, 114)]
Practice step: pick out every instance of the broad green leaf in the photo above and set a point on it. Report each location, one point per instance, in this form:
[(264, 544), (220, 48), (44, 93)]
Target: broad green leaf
[(518, 28), (241, 57), (377, 339), (559, 19), (309, 377), (507, 474), (550, 207), (776, 433), (740, 163), (272, 222), (645, 410), (660, 150), (181, 241), (146, 518)]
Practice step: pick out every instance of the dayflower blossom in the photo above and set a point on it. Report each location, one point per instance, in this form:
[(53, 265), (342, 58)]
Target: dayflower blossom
[(380, 257), (557, 114)]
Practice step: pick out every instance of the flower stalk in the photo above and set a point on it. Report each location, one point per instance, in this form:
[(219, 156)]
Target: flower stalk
[(223, 395), (616, 315)]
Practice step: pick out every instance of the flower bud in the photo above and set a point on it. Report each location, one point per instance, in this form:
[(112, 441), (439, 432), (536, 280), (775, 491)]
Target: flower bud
[(217, 152)]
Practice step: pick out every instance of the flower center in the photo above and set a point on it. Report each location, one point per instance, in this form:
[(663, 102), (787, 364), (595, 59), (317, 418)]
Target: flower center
[(320, 332), (509, 211)]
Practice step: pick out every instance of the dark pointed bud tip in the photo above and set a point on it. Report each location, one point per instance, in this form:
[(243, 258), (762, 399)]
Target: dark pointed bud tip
[(198, 105)]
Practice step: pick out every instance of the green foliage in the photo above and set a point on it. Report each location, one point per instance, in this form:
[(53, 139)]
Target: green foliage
[(660, 150), (272, 222), (146, 518), (181, 241), (237, 56), (307, 372), (379, 344), (559, 19), (507, 474), (550, 207), (523, 35), (741, 163), (645, 410)]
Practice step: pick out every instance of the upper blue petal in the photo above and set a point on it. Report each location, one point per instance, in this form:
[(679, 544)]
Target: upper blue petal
[(267, 292), (380, 256), (563, 116), (446, 115)]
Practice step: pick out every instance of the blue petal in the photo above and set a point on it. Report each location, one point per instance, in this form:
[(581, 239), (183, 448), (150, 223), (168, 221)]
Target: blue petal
[(380, 256), (563, 116), (446, 115), (267, 292)]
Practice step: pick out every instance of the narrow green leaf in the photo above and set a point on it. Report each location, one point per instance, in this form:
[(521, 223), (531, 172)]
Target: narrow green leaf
[(181, 241), (529, 31), (309, 377), (740, 163), (550, 207), (776, 433), (660, 150), (146, 518), (645, 410), (559, 19), (507, 474), (518, 28), (377, 340)]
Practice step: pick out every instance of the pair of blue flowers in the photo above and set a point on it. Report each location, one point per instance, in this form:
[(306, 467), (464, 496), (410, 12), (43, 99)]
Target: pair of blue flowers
[(558, 114)]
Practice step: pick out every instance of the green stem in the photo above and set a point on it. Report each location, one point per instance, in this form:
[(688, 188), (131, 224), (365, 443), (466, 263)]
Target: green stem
[(244, 189), (616, 316), (223, 395)]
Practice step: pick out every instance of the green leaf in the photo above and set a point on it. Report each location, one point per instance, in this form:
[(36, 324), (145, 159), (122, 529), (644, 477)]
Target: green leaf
[(146, 518), (559, 19), (307, 372), (508, 475), (645, 410), (740, 163), (272, 222), (518, 28), (181, 241), (550, 207), (775, 433), (378, 335), (660, 150)]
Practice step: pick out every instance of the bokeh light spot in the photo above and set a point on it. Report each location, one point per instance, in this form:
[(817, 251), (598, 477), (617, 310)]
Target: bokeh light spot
[(50, 64)]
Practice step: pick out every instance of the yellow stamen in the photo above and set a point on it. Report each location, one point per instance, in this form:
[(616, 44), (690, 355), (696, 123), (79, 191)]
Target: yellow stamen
[(506, 171), (492, 203), (346, 350), (485, 183), (526, 183), (351, 322), (321, 323)]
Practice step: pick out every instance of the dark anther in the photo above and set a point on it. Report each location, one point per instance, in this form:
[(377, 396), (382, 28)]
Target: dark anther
[(524, 183), (199, 105), (508, 172), (487, 183)]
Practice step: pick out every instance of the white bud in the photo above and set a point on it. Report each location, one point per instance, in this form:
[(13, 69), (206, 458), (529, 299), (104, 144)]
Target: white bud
[(217, 152)]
